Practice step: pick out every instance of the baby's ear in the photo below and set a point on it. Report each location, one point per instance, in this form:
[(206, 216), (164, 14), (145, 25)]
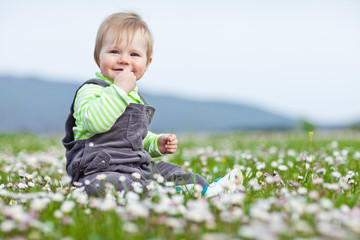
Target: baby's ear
[(148, 62)]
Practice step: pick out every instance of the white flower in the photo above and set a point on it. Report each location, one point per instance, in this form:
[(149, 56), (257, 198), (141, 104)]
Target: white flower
[(198, 211), (136, 175), (334, 144), (302, 190), (198, 188), (300, 177), (283, 167), (269, 179), (12, 202), (22, 185), (122, 178), (47, 178), (58, 197), (101, 177), (326, 203), (67, 206), (39, 204), (253, 182), (154, 185), (321, 170), (77, 184), (169, 184), (58, 213), (131, 196), (331, 186), (130, 227), (8, 225), (257, 187), (343, 180), (290, 164), (260, 166), (309, 158), (137, 187), (46, 188), (317, 181), (303, 227), (87, 182), (137, 210), (336, 174), (30, 176), (108, 204), (291, 153), (274, 164), (345, 208), (354, 225), (66, 180), (312, 208), (31, 184), (160, 179), (258, 174)]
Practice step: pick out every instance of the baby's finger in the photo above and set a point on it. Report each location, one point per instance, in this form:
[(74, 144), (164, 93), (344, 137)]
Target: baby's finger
[(173, 140), (171, 150), (172, 137)]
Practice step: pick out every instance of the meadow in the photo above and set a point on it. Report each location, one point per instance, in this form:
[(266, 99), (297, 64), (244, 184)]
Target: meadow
[(297, 185)]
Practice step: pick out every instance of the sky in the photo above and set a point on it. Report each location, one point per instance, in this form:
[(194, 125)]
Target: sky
[(297, 58)]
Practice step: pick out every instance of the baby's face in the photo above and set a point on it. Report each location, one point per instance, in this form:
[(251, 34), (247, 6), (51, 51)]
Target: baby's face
[(115, 56)]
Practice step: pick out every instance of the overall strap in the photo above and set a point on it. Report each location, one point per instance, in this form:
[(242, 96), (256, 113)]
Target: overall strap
[(143, 99), (70, 122), (94, 81)]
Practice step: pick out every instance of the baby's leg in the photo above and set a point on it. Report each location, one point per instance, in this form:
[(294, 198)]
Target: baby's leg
[(97, 186), (174, 173)]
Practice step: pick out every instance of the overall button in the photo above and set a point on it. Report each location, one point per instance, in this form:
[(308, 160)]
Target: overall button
[(91, 144), (150, 112), (102, 162)]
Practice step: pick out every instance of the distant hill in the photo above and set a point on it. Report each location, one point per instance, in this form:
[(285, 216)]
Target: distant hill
[(39, 106)]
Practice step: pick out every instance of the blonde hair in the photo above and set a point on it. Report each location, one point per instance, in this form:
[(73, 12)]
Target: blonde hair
[(123, 24)]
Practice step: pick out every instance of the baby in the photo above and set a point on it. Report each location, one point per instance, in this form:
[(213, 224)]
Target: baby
[(107, 131)]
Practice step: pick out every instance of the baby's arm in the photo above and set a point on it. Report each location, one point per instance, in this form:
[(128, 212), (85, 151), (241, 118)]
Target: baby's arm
[(167, 143), (97, 108), (159, 144)]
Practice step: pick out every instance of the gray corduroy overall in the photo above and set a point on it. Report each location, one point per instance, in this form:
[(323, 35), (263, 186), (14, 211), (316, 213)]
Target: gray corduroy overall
[(119, 152)]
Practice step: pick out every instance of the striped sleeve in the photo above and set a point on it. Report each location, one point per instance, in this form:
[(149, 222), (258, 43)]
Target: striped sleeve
[(150, 144), (97, 108)]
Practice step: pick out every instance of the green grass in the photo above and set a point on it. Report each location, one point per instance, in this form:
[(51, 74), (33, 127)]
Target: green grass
[(295, 207)]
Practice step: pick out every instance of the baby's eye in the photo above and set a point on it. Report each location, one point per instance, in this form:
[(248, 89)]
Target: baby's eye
[(114, 52), (134, 54)]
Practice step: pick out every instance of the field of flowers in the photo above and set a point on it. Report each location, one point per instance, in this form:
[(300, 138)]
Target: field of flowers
[(296, 186)]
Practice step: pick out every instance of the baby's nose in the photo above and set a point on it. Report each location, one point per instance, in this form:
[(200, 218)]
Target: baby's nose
[(124, 59)]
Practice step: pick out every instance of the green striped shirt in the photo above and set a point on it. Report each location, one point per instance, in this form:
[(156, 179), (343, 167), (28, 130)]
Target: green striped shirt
[(97, 108)]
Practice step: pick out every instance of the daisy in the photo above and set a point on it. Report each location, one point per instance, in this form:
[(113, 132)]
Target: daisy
[(283, 168), (101, 177), (136, 175)]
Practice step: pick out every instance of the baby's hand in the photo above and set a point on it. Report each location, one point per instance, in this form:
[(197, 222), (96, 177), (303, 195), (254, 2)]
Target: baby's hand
[(167, 143), (125, 80)]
